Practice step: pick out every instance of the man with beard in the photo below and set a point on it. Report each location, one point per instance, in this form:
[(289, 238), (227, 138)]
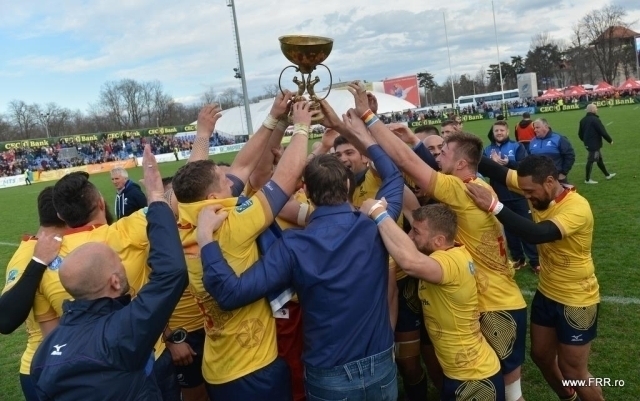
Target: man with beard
[(105, 341), (81, 206), (564, 311), (509, 153)]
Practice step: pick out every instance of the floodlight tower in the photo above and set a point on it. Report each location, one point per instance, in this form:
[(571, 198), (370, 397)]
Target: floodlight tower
[(239, 72)]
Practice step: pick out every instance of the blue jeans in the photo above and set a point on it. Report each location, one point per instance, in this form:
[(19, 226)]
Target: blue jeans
[(373, 378)]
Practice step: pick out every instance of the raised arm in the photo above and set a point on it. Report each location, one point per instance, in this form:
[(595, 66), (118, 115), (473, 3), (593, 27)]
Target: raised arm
[(264, 169), (247, 159), (494, 171), (407, 136), (143, 320), (294, 158), (401, 248), (207, 118), (392, 186), (401, 154)]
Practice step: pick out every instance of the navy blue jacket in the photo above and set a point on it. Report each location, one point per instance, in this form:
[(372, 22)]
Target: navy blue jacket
[(129, 200), (103, 348), (557, 147), (339, 268), (591, 132), (515, 151)]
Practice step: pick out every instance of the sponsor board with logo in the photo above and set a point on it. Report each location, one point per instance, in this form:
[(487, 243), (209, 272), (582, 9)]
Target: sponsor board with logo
[(12, 181)]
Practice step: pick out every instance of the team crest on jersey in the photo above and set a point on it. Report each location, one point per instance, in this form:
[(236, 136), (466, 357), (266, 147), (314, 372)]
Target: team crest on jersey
[(55, 265), (244, 206), (472, 268), (12, 276)]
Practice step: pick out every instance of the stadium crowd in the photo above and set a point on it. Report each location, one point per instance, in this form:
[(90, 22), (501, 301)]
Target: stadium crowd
[(322, 276), (16, 161)]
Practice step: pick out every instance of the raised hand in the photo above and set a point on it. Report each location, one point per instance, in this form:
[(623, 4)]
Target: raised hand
[(359, 93), (281, 104), (373, 207), (302, 113), (207, 118), (331, 119), (152, 181)]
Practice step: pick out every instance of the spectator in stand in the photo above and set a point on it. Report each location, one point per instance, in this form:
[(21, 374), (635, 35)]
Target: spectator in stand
[(130, 197), (553, 145), (591, 132), (524, 131)]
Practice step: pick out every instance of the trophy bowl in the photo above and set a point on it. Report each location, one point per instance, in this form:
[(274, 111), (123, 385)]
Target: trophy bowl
[(304, 51)]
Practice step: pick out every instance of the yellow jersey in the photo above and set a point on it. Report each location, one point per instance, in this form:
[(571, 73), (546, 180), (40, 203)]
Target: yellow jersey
[(15, 268), (241, 341), (187, 314), (483, 237), (451, 316), (368, 189), (127, 237), (567, 272)]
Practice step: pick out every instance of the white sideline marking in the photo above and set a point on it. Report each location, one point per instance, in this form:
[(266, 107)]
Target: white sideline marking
[(609, 123), (636, 108), (8, 244), (603, 298)]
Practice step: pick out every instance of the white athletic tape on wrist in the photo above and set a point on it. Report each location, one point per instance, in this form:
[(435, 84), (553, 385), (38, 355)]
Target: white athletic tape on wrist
[(302, 214), (270, 122), (375, 207)]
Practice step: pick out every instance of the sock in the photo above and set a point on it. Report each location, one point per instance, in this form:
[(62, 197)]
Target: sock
[(418, 391), (589, 168)]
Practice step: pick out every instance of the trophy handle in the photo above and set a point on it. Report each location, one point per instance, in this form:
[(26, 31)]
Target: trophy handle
[(330, 82), (282, 72)]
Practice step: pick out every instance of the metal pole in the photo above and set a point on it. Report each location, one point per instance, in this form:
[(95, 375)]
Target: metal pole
[(453, 92), (245, 95), (495, 28)]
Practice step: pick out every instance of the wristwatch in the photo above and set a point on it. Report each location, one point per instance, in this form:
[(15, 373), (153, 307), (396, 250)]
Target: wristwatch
[(177, 336)]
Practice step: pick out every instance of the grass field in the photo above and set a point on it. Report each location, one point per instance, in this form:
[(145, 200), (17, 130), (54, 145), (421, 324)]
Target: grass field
[(616, 351)]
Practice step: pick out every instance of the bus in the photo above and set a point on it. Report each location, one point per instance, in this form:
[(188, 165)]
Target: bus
[(489, 98)]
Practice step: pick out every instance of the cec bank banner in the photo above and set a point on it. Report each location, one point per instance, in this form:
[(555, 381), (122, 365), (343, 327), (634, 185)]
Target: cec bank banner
[(405, 88)]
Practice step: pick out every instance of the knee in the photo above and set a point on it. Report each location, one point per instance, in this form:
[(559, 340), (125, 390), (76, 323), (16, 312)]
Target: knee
[(571, 370), (542, 358)]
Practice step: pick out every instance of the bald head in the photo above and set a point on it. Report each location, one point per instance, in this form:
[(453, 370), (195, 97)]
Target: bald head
[(434, 143), (93, 271), (591, 108)]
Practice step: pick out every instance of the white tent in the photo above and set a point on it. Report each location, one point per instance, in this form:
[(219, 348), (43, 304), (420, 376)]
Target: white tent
[(234, 123)]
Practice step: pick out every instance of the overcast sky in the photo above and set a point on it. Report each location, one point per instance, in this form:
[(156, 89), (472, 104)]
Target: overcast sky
[(63, 51)]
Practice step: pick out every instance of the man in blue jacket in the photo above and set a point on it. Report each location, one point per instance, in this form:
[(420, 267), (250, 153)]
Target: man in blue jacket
[(553, 145), (103, 346), (130, 197), (338, 266), (507, 152)]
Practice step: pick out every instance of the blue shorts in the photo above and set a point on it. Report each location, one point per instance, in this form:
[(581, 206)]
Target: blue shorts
[(491, 388), (190, 376), (575, 325), (506, 333), (409, 307), (273, 382)]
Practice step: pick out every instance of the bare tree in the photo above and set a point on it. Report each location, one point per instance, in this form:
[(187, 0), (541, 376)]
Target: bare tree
[(112, 105), (22, 116), (271, 90), (210, 96), (7, 132), (231, 97), (604, 31), (131, 92)]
